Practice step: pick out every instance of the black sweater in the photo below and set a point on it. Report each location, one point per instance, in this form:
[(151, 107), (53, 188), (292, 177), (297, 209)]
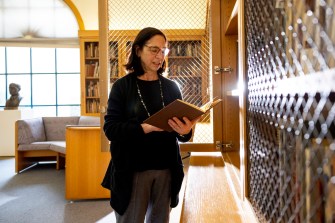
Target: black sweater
[(131, 149)]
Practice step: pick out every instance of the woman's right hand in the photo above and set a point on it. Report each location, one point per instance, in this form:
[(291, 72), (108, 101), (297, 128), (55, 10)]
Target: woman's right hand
[(150, 128)]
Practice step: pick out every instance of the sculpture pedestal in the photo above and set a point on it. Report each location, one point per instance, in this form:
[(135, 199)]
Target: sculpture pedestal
[(7, 129)]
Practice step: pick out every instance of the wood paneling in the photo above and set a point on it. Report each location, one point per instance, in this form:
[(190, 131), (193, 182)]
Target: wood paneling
[(210, 195), (232, 26), (85, 164)]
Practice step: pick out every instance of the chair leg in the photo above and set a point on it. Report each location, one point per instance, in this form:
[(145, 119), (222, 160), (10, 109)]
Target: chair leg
[(60, 161), (22, 162)]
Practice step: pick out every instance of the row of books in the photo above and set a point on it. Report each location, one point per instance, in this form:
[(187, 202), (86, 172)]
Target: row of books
[(93, 106), (113, 53), (114, 70), (93, 89), (189, 49), (184, 70), (92, 50), (92, 69)]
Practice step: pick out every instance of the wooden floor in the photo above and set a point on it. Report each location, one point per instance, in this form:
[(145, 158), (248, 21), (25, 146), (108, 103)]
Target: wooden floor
[(210, 192), (213, 190)]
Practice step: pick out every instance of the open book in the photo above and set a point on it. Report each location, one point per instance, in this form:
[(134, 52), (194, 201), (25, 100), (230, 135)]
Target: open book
[(179, 109)]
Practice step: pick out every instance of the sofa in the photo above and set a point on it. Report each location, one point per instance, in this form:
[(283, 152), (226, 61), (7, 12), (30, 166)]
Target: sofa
[(43, 139)]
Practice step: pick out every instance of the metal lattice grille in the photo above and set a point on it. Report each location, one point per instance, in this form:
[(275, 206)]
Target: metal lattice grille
[(189, 42), (291, 83)]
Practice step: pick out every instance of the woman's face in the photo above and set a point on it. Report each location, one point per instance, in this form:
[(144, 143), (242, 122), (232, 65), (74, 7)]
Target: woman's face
[(153, 53)]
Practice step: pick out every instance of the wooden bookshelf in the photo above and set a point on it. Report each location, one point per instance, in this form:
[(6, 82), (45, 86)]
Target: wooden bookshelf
[(185, 67), (90, 72), (186, 64)]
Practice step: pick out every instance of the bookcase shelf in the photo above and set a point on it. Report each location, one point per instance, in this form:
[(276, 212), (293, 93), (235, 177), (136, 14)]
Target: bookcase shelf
[(185, 65), (90, 96), (90, 88)]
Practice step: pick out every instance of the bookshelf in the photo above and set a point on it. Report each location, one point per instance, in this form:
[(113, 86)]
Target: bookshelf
[(90, 88), (91, 71), (186, 65)]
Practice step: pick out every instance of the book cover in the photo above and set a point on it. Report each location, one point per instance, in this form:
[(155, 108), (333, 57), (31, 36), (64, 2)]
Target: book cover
[(179, 109), (90, 68)]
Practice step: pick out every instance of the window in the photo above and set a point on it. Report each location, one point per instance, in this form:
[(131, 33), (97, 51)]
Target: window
[(49, 79), (45, 57)]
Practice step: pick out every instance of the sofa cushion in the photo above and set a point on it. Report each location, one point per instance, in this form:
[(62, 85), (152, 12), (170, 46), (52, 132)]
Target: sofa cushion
[(34, 146), (31, 130), (55, 127), (89, 121), (58, 146)]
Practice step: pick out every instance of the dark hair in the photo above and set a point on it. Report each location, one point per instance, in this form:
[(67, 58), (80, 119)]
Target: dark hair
[(134, 62)]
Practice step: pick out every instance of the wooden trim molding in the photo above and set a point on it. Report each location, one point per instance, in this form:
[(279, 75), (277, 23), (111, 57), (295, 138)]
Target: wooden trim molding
[(242, 100), (76, 14)]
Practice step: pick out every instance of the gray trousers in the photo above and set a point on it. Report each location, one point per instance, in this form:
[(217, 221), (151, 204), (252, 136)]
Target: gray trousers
[(150, 199)]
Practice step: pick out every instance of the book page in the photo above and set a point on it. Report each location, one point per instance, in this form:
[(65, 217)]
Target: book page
[(209, 105)]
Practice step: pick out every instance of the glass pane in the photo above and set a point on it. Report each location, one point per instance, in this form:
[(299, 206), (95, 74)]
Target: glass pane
[(15, 3), (68, 89), (2, 90), (65, 17), (38, 18), (44, 89), (43, 60), (68, 110), (49, 111), (28, 112), (18, 60), (14, 22), (2, 60), (24, 82), (68, 60)]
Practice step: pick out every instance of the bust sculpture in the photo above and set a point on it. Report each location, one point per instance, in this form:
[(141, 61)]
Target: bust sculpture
[(14, 101)]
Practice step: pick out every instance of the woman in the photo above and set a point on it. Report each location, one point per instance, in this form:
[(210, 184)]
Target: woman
[(146, 171)]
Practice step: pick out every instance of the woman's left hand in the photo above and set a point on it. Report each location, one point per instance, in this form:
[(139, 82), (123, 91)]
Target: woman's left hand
[(182, 127)]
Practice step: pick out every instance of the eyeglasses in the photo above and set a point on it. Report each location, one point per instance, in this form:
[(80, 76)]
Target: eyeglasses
[(155, 50)]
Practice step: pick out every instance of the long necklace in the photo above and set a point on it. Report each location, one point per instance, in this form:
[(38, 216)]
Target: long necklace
[(141, 98)]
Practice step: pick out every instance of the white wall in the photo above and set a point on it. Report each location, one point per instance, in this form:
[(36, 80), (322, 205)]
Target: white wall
[(88, 10)]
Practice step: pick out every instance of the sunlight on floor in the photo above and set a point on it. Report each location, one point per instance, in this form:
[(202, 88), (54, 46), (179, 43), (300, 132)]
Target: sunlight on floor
[(174, 216), (108, 218), (5, 198)]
